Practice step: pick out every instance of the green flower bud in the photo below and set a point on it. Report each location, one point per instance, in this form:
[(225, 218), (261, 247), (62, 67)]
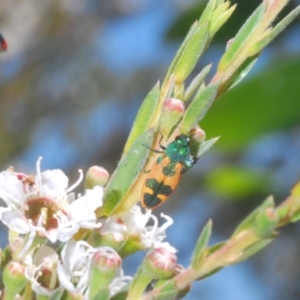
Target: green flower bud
[(14, 279), (266, 222)]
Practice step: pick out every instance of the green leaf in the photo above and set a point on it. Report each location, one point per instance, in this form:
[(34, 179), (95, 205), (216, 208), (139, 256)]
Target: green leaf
[(220, 20), (272, 33), (291, 210), (205, 146), (212, 249), (250, 251), (199, 106), (249, 221), (242, 71), (242, 37), (196, 82), (126, 173), (179, 52), (132, 245), (191, 53), (264, 103), (144, 116), (296, 217), (199, 251), (208, 11)]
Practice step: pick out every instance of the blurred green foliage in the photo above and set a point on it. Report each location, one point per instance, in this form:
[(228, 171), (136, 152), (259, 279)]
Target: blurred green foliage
[(268, 101)]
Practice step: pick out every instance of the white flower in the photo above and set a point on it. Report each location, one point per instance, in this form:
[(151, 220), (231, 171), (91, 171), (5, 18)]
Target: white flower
[(114, 226), (150, 236), (42, 272), (42, 204), (73, 269)]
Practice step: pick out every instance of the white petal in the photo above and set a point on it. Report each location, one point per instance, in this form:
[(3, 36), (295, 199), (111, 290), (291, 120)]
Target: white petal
[(14, 221), (45, 254), (83, 209), (11, 188), (64, 279), (65, 234), (54, 180)]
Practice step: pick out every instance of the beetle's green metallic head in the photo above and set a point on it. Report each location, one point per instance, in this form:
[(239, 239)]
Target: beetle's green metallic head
[(183, 140)]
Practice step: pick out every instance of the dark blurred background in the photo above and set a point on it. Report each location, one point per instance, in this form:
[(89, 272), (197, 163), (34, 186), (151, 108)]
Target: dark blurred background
[(71, 84)]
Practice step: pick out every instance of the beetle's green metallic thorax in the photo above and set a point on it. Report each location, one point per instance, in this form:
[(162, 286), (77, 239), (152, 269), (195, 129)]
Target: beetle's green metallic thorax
[(179, 151)]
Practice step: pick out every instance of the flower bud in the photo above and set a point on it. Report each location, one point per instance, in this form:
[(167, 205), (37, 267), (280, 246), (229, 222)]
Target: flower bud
[(266, 222), (105, 265), (197, 136), (172, 111), (161, 263), (96, 176), (14, 279)]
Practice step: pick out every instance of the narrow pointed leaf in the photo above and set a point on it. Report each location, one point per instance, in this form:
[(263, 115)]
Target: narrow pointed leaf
[(179, 52), (206, 145), (254, 249), (248, 222), (199, 252), (271, 34), (131, 164), (208, 11), (241, 38), (144, 116), (191, 53), (196, 82), (199, 106), (221, 20), (242, 71)]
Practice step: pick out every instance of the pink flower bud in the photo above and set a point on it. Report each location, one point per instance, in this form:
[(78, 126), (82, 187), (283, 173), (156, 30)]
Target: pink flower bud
[(161, 262), (174, 105), (173, 109), (96, 176), (105, 266), (14, 279), (106, 259), (197, 134)]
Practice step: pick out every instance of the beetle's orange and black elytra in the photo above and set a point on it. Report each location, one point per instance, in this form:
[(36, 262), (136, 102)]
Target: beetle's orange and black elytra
[(167, 171)]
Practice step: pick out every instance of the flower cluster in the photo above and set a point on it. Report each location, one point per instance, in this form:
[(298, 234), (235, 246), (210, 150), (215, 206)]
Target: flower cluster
[(46, 217)]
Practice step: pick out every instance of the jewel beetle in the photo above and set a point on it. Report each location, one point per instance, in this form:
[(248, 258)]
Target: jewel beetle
[(165, 175)]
